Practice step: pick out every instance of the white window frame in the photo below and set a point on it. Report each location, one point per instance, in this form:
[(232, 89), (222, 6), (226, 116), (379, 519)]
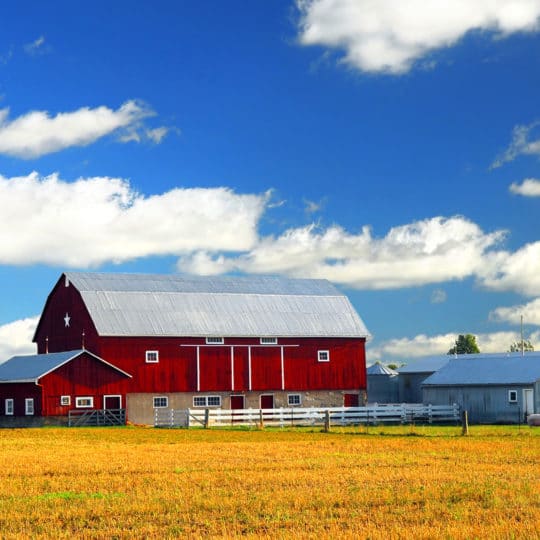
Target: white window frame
[(215, 340), (165, 401), (79, 402), (9, 405), (512, 396), (152, 357), (322, 354), (204, 401), (29, 406), (295, 398), (268, 341), (65, 401)]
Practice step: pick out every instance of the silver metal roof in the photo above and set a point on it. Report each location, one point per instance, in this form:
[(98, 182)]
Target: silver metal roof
[(380, 369), (426, 365), (174, 305), (29, 368), (493, 369)]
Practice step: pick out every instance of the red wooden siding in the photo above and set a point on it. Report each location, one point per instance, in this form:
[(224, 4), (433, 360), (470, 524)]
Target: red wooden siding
[(82, 376), (18, 392), (52, 334)]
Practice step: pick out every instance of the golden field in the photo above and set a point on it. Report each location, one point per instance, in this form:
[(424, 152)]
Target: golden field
[(387, 482)]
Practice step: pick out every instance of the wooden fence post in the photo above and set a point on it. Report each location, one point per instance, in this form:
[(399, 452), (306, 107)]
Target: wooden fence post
[(261, 420), (326, 421), (206, 418), (465, 423)]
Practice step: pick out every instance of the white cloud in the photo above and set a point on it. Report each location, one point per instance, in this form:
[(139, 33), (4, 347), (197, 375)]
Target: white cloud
[(529, 311), (521, 144), (16, 338), (530, 187), (93, 220), (438, 296), (36, 133), (429, 251), (405, 349), (35, 46), (518, 271), (390, 35)]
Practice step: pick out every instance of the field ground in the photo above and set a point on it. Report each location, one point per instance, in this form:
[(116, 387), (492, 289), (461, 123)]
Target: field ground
[(388, 482)]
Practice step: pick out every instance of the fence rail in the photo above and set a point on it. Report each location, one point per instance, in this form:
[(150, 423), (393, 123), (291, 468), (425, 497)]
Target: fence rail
[(97, 417), (406, 413)]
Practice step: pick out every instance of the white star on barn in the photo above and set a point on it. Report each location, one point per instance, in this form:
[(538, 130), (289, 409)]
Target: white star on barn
[(67, 318)]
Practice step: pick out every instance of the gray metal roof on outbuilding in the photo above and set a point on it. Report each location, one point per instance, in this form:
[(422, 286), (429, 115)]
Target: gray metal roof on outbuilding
[(425, 365), (174, 305), (490, 369), (29, 368), (380, 369)]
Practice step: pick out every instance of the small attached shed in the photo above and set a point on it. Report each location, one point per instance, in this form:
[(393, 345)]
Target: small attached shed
[(382, 384), (411, 377), (493, 388), (36, 387)]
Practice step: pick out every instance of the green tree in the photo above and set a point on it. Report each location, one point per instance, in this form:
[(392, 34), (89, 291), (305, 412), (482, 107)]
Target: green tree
[(465, 344), (516, 346)]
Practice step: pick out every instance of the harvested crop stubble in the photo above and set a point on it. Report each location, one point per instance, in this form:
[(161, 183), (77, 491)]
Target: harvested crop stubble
[(136, 482)]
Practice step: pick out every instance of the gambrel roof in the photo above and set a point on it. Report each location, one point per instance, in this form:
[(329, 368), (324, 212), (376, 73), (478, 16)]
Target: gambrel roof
[(488, 369), (30, 368), (175, 305)]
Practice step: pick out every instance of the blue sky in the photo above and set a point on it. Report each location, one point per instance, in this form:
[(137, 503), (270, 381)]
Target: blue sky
[(391, 147)]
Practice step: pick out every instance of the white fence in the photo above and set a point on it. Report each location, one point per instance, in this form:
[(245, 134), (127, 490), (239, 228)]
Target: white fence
[(406, 413)]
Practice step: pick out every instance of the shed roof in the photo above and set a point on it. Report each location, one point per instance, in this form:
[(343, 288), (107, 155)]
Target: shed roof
[(425, 365), (380, 369), (29, 368), (175, 305), (490, 369)]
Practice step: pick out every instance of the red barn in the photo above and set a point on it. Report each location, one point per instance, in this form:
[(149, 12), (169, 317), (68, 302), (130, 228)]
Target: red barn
[(232, 342), (49, 385)]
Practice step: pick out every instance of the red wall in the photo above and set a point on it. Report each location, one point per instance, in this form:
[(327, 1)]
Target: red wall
[(83, 376), (52, 334), (177, 367), (19, 392)]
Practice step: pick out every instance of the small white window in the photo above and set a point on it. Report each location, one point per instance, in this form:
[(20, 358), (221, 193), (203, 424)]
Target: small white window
[(65, 400), (207, 401), (512, 396), (152, 357), (323, 356), (84, 402), (9, 406), (268, 341), (29, 406), (294, 399), (215, 341), (161, 402)]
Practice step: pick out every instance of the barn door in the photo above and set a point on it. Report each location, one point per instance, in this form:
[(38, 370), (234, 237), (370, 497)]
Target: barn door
[(112, 402), (350, 400), (267, 401), (237, 402), (528, 401)]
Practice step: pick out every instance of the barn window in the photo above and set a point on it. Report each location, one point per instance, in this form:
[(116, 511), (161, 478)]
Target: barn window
[(207, 401), (152, 357), (214, 341), (9, 406), (160, 402), (65, 400), (268, 341), (294, 399), (512, 396), (29, 406), (84, 402), (323, 356)]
